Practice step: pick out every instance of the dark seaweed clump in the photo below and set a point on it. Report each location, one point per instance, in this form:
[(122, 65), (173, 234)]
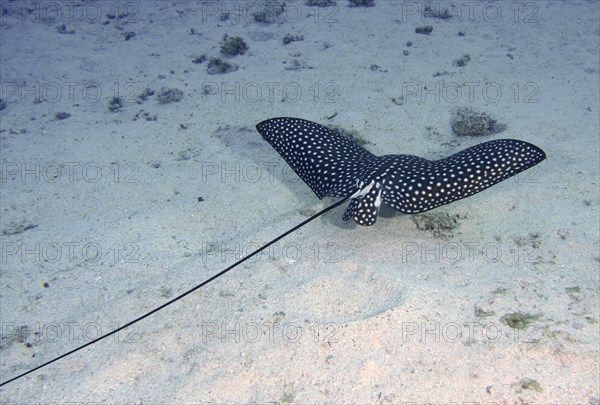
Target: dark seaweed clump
[(17, 228), (217, 66), (269, 12), (234, 46), (425, 30), (441, 224), (62, 29), (289, 38), (199, 59), (351, 134), (144, 95), (462, 61), (362, 3), (169, 95), (320, 3), (429, 12), (468, 122), (115, 104)]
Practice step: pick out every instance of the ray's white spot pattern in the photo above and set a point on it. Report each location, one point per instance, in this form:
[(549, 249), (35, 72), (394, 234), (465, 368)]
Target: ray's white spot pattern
[(329, 163), (332, 165)]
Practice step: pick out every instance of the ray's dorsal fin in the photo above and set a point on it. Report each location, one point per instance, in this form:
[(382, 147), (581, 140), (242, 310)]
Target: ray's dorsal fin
[(332, 165)]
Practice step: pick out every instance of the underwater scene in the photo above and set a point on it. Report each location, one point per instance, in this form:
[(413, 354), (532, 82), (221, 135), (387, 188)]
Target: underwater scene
[(300, 201)]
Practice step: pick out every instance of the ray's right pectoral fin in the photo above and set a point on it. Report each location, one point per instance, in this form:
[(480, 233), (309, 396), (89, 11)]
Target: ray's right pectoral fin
[(365, 205)]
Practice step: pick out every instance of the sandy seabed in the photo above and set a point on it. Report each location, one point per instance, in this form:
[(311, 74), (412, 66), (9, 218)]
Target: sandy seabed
[(130, 173)]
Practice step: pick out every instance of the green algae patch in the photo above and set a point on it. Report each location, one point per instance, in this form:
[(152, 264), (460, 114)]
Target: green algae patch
[(519, 320), (501, 291), (528, 384)]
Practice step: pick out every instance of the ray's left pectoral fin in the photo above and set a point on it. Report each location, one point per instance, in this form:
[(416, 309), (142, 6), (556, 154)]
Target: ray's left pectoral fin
[(364, 207)]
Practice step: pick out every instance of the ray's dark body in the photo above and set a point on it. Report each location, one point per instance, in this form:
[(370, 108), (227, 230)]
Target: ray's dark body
[(332, 165)]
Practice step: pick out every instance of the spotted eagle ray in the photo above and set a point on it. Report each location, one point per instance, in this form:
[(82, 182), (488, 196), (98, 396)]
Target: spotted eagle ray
[(334, 166)]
